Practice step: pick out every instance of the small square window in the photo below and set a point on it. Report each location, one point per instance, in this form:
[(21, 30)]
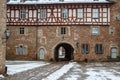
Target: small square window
[(95, 31), (63, 31), (21, 31)]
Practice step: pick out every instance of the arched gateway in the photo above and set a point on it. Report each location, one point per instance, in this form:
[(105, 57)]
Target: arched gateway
[(63, 52)]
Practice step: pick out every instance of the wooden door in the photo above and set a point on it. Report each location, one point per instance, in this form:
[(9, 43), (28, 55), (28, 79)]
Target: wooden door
[(42, 54), (114, 52)]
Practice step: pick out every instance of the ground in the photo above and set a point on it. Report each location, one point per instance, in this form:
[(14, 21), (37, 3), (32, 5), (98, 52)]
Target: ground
[(37, 70)]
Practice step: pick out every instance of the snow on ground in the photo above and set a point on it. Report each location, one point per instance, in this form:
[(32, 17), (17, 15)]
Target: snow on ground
[(1, 76), (74, 73), (57, 74), (72, 70), (102, 72), (101, 75), (92, 71), (23, 66)]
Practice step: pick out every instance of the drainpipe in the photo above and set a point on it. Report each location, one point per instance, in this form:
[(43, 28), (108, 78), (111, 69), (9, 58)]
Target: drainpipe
[(36, 32)]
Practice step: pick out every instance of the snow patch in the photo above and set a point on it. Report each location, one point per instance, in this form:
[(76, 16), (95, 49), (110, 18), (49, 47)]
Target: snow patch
[(56, 75), (16, 68), (1, 76), (101, 75), (56, 1)]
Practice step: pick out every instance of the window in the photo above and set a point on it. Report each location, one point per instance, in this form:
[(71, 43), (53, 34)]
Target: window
[(21, 50), (63, 30), (43, 13), (98, 49), (64, 13), (95, 0), (95, 30), (21, 31), (85, 48), (80, 13), (11, 0), (61, 0), (95, 13), (22, 14), (31, 0)]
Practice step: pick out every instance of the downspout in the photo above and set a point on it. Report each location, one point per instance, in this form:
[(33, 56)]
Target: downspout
[(36, 32), (36, 41)]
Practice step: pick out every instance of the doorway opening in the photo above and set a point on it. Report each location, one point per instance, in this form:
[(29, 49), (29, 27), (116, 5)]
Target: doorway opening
[(63, 52)]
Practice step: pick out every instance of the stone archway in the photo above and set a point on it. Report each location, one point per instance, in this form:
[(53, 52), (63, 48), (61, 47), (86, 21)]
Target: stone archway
[(63, 52)]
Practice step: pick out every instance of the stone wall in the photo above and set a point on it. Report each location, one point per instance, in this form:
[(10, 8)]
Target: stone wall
[(48, 38), (28, 40), (2, 30), (115, 25)]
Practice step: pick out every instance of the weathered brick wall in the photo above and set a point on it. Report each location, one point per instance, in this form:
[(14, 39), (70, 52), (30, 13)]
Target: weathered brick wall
[(28, 40), (2, 29), (83, 34), (115, 24), (49, 38)]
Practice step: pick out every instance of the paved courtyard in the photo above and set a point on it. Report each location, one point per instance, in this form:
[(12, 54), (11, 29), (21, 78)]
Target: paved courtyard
[(67, 71)]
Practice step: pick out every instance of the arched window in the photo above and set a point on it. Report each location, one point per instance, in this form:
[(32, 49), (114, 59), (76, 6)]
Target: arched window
[(21, 50)]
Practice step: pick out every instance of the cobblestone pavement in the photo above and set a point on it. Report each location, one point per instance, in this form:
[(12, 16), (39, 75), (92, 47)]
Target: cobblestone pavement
[(37, 73), (80, 71)]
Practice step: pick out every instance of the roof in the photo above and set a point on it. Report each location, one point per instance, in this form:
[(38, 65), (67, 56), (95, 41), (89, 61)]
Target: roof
[(56, 1)]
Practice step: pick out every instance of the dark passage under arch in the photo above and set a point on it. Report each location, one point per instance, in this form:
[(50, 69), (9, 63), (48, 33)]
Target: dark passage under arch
[(63, 52)]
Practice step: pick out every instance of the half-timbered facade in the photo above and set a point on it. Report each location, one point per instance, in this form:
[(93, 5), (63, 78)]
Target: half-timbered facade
[(60, 30)]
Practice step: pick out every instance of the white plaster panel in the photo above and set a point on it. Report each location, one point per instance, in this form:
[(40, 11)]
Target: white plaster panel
[(30, 13), (70, 13), (88, 9), (12, 13), (104, 9), (74, 12), (104, 19), (104, 14), (88, 14), (35, 13), (17, 13)]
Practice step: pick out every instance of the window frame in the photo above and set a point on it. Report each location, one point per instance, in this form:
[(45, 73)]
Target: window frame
[(63, 30), (80, 13), (84, 48), (22, 14), (95, 13), (64, 13), (43, 13), (95, 31), (21, 50), (21, 31), (99, 49)]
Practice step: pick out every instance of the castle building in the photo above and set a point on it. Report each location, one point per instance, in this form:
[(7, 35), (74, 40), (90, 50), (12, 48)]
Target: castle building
[(63, 30), (2, 35)]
